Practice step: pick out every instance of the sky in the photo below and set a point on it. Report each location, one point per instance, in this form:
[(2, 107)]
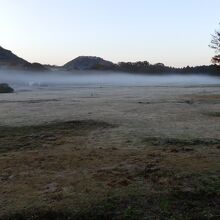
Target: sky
[(174, 32)]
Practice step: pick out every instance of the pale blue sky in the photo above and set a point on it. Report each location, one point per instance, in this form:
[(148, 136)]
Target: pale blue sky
[(175, 32)]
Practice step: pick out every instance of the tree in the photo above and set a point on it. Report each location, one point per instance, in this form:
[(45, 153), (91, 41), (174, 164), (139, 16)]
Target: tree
[(215, 44)]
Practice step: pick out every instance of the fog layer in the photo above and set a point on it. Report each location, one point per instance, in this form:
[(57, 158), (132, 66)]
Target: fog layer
[(98, 78)]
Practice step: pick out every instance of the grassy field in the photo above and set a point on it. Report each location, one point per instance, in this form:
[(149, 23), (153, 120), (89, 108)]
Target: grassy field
[(56, 171), (120, 153)]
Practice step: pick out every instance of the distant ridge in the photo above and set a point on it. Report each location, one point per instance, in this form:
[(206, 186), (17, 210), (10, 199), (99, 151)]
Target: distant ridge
[(142, 67), (12, 61)]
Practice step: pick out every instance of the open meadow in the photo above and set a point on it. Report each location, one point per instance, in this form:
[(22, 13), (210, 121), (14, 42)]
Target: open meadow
[(110, 152)]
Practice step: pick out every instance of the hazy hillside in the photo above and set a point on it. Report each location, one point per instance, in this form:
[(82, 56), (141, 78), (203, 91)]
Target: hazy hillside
[(12, 61)]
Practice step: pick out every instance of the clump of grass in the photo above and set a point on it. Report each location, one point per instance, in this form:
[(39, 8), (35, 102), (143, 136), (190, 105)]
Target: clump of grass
[(213, 114), (158, 141), (52, 134)]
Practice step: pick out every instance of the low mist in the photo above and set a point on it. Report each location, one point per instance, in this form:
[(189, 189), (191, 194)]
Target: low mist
[(100, 78)]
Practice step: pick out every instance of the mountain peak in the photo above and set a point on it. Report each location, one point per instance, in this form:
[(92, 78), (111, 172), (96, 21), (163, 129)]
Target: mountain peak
[(7, 57), (88, 63), (12, 61)]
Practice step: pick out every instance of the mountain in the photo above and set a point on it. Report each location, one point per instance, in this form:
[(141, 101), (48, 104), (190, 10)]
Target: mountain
[(89, 63), (144, 67), (12, 61), (8, 58)]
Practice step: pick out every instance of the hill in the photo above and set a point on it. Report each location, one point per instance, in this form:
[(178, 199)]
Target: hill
[(11, 61), (89, 63)]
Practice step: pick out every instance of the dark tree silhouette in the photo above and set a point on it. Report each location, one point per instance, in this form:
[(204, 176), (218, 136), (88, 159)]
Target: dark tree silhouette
[(215, 44)]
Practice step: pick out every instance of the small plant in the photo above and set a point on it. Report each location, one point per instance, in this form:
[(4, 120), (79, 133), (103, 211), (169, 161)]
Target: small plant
[(131, 213)]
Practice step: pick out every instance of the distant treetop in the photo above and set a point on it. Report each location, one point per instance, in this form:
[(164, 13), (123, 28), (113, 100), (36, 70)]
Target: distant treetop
[(215, 44)]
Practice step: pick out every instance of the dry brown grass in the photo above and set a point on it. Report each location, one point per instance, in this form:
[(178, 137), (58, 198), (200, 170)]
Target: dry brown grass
[(212, 98), (59, 167)]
